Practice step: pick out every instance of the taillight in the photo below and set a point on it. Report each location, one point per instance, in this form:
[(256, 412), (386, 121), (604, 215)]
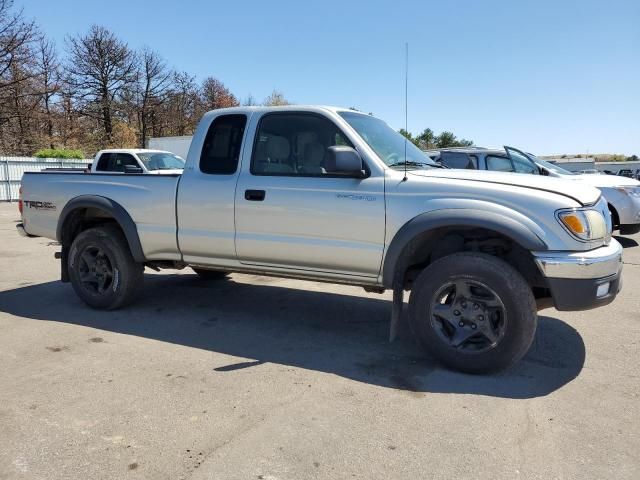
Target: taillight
[(20, 200)]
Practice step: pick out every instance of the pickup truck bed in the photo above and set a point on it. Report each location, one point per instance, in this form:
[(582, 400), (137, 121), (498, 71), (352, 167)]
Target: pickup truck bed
[(149, 200)]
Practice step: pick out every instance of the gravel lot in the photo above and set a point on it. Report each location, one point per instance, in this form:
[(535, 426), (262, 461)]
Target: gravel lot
[(262, 378)]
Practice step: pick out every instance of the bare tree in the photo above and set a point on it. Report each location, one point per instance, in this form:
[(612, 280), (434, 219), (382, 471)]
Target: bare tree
[(183, 104), (16, 35), (276, 98), (49, 75), (99, 67), (250, 101), (215, 95), (154, 81)]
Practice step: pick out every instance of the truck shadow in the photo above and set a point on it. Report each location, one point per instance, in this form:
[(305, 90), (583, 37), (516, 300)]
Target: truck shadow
[(339, 334), (626, 242)]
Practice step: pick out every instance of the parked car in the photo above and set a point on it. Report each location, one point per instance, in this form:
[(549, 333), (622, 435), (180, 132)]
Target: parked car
[(334, 195), (622, 194), (626, 172), (589, 171), (137, 160)]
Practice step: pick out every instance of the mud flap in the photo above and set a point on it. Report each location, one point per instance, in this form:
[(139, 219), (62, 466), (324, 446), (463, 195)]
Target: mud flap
[(396, 310)]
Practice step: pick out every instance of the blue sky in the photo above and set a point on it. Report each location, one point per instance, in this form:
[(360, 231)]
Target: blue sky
[(550, 77)]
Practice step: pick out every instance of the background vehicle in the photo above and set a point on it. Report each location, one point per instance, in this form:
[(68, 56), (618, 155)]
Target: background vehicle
[(622, 194), (590, 171), (334, 195), (137, 160), (626, 172)]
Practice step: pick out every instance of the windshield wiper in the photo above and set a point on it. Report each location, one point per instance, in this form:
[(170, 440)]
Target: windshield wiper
[(412, 163)]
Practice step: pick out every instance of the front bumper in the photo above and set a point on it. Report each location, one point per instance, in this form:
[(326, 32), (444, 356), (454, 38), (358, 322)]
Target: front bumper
[(583, 280)]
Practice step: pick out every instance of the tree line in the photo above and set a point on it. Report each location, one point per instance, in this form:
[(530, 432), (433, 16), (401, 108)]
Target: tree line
[(97, 93), (428, 140)]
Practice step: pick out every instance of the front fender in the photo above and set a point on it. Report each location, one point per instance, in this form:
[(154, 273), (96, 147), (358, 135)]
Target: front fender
[(461, 217)]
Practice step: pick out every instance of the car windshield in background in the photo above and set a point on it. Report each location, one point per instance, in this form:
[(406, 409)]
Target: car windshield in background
[(551, 166), (388, 144), (161, 161)]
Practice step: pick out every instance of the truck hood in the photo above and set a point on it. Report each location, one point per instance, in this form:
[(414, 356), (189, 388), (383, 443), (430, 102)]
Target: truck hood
[(578, 191)]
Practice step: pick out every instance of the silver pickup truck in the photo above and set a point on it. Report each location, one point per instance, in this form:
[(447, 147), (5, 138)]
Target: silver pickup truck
[(334, 195)]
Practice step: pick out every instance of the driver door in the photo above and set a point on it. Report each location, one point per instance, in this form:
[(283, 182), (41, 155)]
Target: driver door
[(292, 214)]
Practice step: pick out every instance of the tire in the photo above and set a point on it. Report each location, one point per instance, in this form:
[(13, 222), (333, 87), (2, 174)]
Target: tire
[(101, 269), (205, 274), (498, 321)]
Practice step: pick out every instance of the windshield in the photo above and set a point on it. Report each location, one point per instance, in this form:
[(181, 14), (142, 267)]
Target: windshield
[(161, 161), (388, 144), (551, 166)]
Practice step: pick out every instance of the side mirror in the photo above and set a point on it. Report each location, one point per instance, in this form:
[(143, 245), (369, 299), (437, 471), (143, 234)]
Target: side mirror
[(133, 169), (343, 160)]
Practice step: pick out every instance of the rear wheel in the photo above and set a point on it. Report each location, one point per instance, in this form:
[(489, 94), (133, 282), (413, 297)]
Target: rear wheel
[(210, 274), (102, 270), (474, 312)]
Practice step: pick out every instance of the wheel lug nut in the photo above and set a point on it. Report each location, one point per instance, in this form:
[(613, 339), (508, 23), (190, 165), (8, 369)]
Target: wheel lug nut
[(456, 312), (481, 318), (461, 324), (473, 326)]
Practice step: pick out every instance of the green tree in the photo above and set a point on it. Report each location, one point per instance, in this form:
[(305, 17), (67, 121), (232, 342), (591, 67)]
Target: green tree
[(426, 140), (446, 139), (405, 134)]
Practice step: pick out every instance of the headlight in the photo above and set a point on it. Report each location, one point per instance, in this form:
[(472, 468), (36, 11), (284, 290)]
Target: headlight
[(632, 191), (585, 224)]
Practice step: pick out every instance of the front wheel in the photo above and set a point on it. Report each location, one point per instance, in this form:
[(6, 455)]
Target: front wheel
[(102, 270), (474, 312)]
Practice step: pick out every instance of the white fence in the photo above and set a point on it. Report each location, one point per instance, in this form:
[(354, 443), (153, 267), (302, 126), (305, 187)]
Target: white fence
[(12, 168)]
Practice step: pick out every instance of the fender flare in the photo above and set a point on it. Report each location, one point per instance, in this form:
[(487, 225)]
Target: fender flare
[(114, 209), (461, 217)]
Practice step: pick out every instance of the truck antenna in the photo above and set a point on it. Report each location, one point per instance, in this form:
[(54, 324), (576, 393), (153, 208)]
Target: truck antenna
[(406, 103)]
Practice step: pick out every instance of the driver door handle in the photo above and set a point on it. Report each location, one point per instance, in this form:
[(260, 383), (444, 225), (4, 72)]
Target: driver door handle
[(254, 195)]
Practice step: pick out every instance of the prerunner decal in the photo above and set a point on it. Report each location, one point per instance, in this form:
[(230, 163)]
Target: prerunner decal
[(39, 205)]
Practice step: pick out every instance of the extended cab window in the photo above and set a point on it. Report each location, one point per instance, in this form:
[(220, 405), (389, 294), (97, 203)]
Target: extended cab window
[(459, 160), (294, 144), (221, 149)]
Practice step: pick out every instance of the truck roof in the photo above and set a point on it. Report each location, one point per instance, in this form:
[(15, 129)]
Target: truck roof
[(282, 108)]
